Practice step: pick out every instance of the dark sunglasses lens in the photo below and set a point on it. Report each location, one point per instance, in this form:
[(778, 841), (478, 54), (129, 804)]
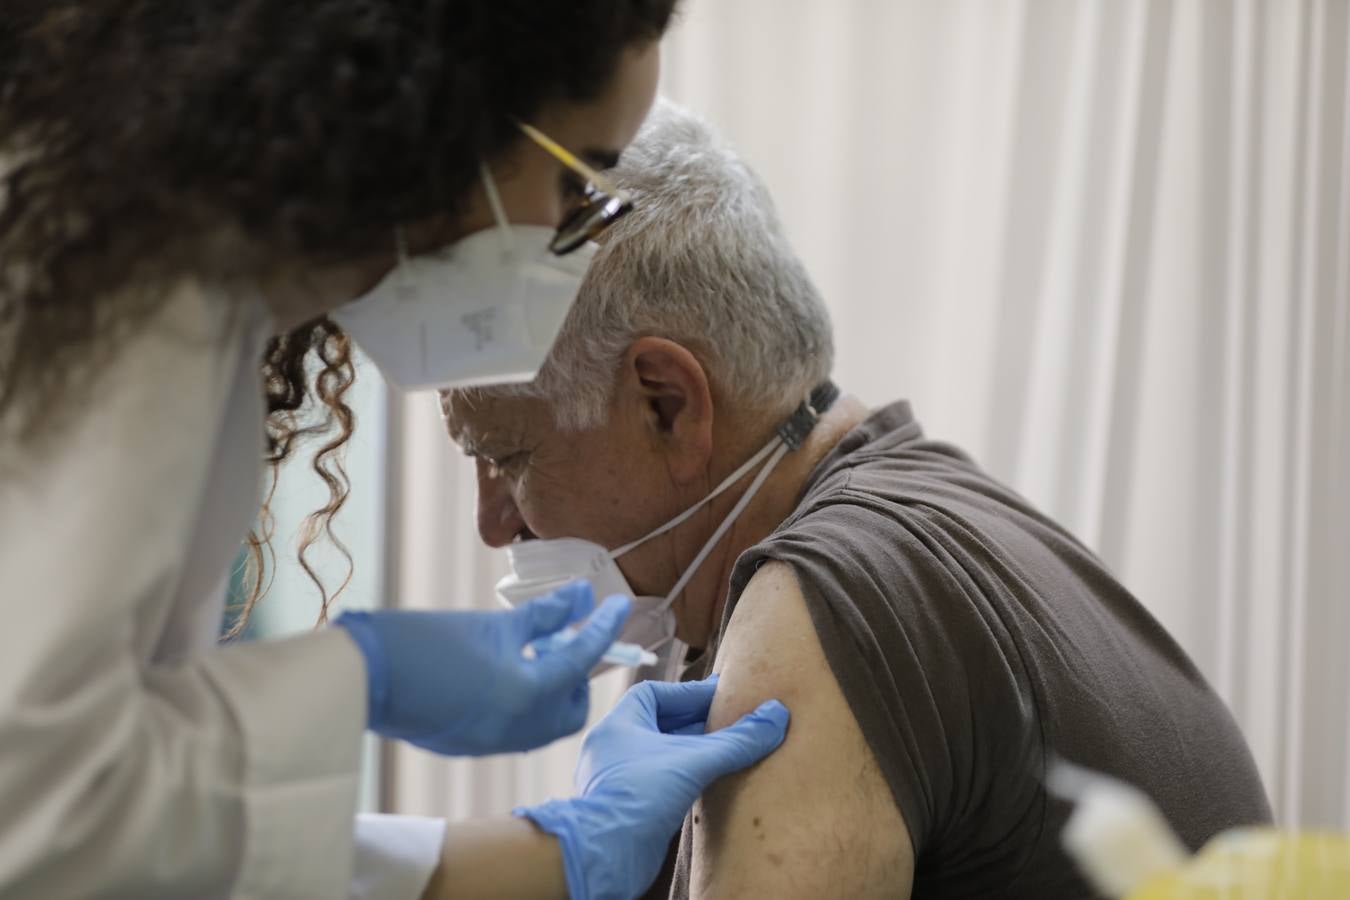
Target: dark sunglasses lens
[(588, 222)]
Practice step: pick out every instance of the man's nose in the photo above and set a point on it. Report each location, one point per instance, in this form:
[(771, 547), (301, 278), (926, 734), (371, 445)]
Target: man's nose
[(499, 519)]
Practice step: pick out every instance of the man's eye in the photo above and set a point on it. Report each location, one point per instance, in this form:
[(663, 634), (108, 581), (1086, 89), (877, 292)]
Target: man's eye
[(506, 465)]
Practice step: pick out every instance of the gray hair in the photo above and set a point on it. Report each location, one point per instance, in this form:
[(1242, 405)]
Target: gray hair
[(701, 260)]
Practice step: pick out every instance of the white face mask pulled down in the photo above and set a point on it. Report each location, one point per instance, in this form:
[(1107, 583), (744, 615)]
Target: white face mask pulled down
[(539, 566), (483, 310)]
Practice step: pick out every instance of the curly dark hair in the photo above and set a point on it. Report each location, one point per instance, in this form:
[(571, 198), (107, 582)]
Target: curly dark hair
[(142, 141), (292, 399)]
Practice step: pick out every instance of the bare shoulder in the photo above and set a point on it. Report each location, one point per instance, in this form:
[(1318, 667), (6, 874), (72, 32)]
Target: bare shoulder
[(816, 818)]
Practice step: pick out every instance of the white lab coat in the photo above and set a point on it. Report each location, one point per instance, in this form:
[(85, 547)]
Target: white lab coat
[(137, 758)]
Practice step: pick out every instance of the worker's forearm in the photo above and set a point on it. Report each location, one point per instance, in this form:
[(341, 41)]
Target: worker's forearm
[(498, 859)]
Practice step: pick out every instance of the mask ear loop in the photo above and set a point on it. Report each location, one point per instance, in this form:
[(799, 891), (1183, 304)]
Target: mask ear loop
[(495, 203), (780, 451), (720, 489), (788, 439)]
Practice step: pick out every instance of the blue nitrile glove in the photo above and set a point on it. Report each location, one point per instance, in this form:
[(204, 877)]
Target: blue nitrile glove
[(457, 682), (641, 769)]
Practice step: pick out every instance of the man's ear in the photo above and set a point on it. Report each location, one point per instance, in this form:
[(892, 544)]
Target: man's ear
[(671, 386)]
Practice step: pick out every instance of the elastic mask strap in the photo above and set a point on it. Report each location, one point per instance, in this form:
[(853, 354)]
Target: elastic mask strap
[(720, 489), (789, 437), (804, 418), (495, 203), (661, 643), (791, 433), (778, 453)]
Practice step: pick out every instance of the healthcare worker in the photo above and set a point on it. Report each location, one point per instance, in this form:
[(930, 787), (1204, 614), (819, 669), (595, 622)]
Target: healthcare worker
[(189, 189)]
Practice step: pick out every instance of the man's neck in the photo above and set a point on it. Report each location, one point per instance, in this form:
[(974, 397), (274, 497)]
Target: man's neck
[(774, 502)]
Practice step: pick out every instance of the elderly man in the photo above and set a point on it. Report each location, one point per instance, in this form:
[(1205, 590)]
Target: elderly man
[(935, 637)]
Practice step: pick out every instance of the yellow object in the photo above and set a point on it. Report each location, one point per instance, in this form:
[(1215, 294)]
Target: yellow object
[(1125, 848), (1259, 863)]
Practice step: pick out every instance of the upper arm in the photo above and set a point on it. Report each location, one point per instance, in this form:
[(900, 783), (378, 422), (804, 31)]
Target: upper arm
[(816, 818)]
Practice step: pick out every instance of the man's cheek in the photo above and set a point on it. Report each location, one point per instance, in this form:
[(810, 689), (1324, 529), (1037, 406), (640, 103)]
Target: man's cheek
[(575, 514), (549, 514)]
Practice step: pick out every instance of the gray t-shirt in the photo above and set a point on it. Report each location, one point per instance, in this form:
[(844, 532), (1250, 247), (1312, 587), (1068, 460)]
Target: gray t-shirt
[(973, 638)]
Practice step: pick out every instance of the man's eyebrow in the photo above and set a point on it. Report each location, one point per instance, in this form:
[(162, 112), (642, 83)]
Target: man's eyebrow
[(488, 445), (467, 446), (477, 451), (463, 438), (601, 158)]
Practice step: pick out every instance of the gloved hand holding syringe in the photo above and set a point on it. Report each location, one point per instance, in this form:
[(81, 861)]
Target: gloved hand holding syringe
[(620, 653)]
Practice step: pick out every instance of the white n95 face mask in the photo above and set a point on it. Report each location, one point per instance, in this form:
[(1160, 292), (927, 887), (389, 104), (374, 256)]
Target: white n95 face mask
[(483, 310), (539, 566)]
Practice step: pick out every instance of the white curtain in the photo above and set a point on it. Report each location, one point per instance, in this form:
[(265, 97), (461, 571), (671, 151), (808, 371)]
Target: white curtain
[(1105, 247)]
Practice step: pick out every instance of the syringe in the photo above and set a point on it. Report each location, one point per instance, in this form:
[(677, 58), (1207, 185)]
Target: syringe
[(619, 653)]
